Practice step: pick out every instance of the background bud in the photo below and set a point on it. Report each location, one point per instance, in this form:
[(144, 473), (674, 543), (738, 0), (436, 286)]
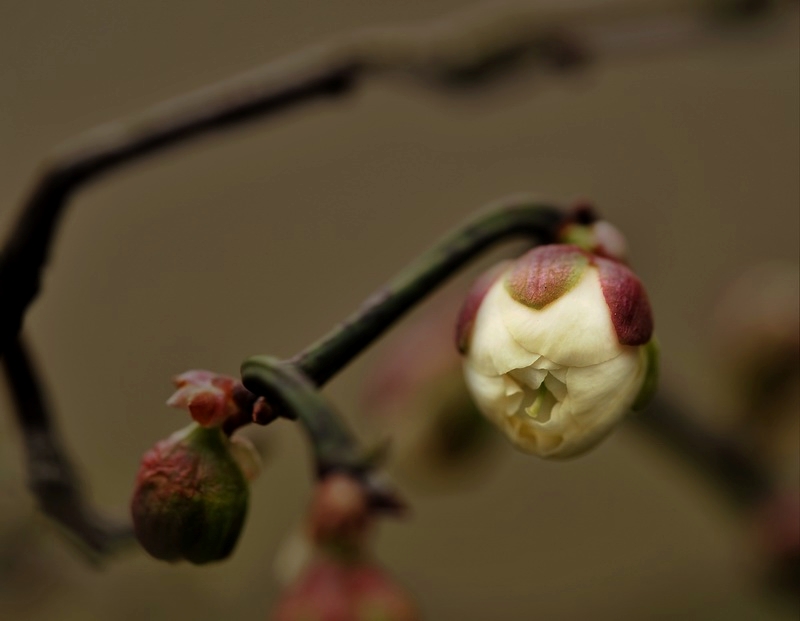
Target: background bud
[(583, 229), (190, 498), (339, 512), (329, 590), (211, 398)]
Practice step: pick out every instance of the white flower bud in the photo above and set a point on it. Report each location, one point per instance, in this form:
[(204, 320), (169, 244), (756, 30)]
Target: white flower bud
[(557, 348)]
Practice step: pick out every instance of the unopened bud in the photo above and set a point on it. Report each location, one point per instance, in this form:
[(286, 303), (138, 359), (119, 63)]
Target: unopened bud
[(558, 348), (190, 498)]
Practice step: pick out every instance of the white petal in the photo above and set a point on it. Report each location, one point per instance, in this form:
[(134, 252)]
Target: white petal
[(530, 377), (492, 349), (498, 397), (598, 397), (575, 330)]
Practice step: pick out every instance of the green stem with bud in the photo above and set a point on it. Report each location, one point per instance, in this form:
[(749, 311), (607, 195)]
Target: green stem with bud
[(292, 385), (515, 217)]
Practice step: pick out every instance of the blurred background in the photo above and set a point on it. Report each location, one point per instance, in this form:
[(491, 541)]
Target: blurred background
[(258, 240)]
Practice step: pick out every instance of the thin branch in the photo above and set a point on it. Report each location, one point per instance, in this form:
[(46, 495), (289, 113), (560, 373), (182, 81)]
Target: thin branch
[(333, 444), (721, 459), (51, 476), (515, 217), (290, 386)]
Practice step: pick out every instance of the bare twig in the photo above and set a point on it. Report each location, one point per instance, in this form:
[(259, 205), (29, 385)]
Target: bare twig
[(51, 475)]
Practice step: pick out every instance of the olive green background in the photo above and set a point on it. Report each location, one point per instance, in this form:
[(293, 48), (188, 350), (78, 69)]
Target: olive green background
[(258, 239)]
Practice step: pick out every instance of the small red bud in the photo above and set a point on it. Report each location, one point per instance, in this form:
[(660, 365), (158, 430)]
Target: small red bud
[(211, 398), (544, 274), (339, 512)]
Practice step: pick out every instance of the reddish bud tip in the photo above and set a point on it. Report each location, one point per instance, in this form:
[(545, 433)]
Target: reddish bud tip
[(544, 274), (211, 398), (339, 511), (627, 301)]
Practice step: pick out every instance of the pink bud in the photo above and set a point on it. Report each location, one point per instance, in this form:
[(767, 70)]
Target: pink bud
[(332, 591), (545, 274), (208, 396), (339, 512)]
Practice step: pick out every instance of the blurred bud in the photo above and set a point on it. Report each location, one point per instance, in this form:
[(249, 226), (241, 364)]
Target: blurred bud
[(557, 348), (338, 522), (339, 512), (757, 324), (757, 328), (211, 398), (190, 498), (329, 590), (778, 532)]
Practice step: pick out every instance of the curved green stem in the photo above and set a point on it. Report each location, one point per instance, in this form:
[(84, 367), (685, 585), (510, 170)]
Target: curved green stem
[(334, 446), (292, 393), (292, 386), (514, 217)]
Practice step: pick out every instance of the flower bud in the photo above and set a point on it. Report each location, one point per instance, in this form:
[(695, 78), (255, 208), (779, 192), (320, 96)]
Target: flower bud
[(211, 398), (333, 591), (339, 513), (557, 348), (190, 498)]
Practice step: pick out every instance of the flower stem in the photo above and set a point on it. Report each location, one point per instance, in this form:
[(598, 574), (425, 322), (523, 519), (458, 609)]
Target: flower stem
[(292, 386), (514, 217), (334, 446), (286, 388)]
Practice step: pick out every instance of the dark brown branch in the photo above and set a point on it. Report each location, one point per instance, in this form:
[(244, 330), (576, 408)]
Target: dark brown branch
[(721, 459), (51, 475)]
